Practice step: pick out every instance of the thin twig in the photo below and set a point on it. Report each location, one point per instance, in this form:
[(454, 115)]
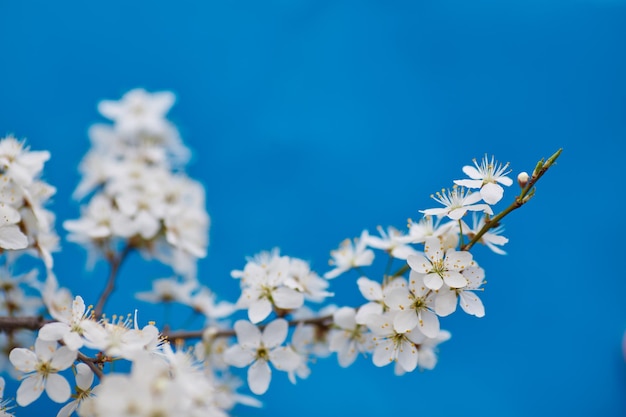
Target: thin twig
[(91, 363), (8, 324), (115, 261), (323, 321)]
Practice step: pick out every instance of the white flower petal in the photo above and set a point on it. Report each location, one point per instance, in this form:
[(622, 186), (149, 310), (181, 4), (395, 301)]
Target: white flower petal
[(405, 320), (472, 172), (259, 377), (427, 359), (45, 349), (248, 335), (12, 238), (433, 281), (57, 388), (238, 356), (428, 323), (68, 409), (469, 183), (287, 298), (345, 318), (84, 376), (347, 356), (471, 304), (366, 310), (29, 390), (398, 299), (275, 333), (73, 341), (457, 213), (259, 310), (370, 289), (445, 303), (491, 193), (384, 353), (419, 263), (23, 360), (63, 358), (456, 260), (407, 356), (52, 332), (454, 279), (285, 359)]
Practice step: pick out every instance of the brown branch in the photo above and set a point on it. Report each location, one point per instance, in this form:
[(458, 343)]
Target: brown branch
[(115, 260), (8, 324), (525, 195), (322, 321), (91, 363)]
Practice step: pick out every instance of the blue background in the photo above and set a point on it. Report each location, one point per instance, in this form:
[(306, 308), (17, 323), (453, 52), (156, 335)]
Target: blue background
[(313, 119)]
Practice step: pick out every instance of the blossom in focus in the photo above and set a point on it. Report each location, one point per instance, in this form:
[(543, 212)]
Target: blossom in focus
[(351, 254), (258, 350), (70, 325), (263, 292), (41, 367), (457, 202), (413, 306), (121, 337), (487, 176), (392, 345), (440, 266)]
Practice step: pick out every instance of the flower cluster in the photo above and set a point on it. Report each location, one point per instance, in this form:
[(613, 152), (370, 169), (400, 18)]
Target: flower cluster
[(139, 193), (25, 224), (136, 197)]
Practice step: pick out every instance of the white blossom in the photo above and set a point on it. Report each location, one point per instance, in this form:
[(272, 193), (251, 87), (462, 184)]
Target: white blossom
[(487, 176), (392, 345), (41, 367), (439, 265), (413, 306), (70, 325), (456, 203), (258, 350)]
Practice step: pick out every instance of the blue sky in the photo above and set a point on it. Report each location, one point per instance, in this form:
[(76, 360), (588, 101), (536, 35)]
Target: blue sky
[(312, 120)]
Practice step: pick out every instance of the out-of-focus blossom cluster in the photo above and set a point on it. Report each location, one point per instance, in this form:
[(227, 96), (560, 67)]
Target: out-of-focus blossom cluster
[(26, 226), (136, 197), (138, 192)]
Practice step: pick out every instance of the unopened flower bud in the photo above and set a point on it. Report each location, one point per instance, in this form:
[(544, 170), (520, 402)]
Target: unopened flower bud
[(522, 179)]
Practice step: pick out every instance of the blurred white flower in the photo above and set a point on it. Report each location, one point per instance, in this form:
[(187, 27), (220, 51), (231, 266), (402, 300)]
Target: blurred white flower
[(351, 254), (348, 338)]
